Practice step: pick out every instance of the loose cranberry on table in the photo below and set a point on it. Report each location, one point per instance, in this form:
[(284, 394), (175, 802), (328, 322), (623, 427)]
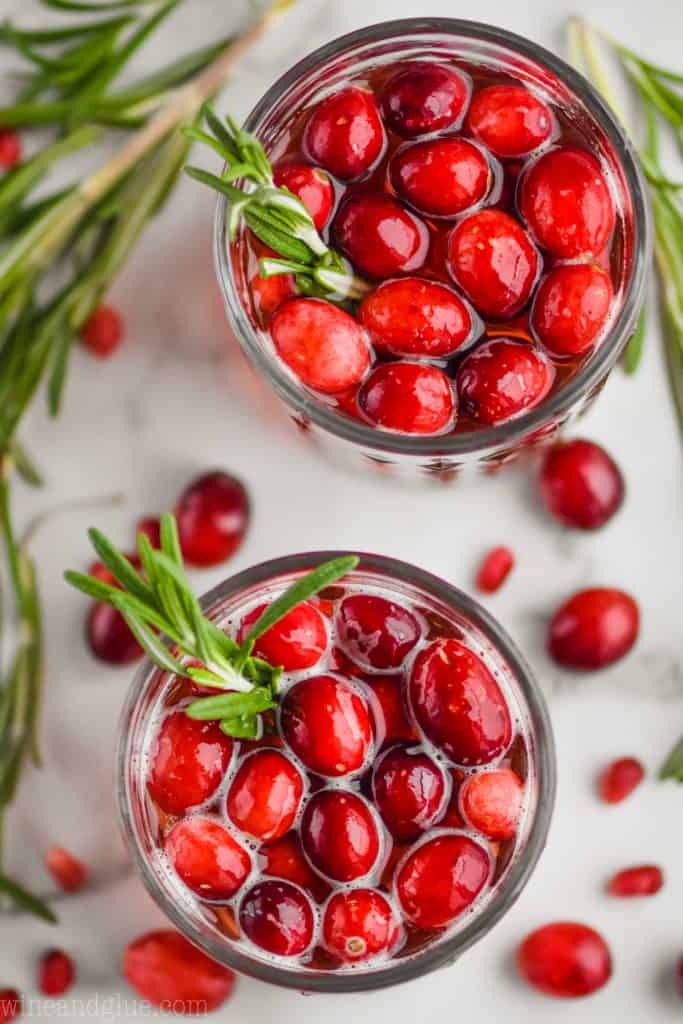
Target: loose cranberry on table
[(424, 98), (441, 878), (278, 917), (441, 177), (188, 761), (581, 484), (593, 628), (374, 632), (10, 1005), (109, 636), (340, 835), (68, 871), (412, 316), (56, 973), (297, 641), (10, 148), (207, 857), (311, 185), (571, 309), (151, 527), (495, 568), (502, 379), (212, 515), (168, 971), (510, 120), (344, 133), (565, 959), (411, 398), (408, 788), (327, 725), (642, 880), (322, 344), (102, 332), (619, 779), (359, 924), (265, 794), (492, 802), (380, 236)]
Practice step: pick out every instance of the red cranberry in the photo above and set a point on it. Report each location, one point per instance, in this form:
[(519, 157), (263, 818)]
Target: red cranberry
[(458, 703), (492, 802), (265, 794), (571, 308), (345, 133), (509, 119), (312, 186), (619, 779), (359, 924), (327, 725), (321, 343), (102, 332), (207, 857), (379, 236), (440, 879), (442, 177), (10, 1005), (415, 317), (278, 917), (494, 261), (679, 976), (565, 959), (297, 641), (109, 636), (408, 789), (581, 485), (424, 98), (285, 858), (567, 204), (340, 835), (168, 971), (391, 720), (189, 760), (593, 628), (213, 515), (502, 379), (643, 880), (376, 633), (68, 871), (495, 569), (269, 293), (10, 155), (151, 527), (408, 397), (56, 973)]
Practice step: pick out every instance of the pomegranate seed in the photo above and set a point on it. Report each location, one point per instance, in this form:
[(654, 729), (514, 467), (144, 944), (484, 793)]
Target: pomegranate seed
[(441, 177), (327, 725), (565, 959), (619, 779), (109, 636), (581, 485), (68, 872), (169, 972), (643, 880), (593, 628), (502, 379), (415, 317), (571, 308), (285, 858), (408, 397), (297, 641), (495, 569), (509, 120), (440, 879), (339, 835), (359, 924), (424, 98), (189, 760), (312, 186), (389, 713), (213, 515), (10, 1005), (102, 332), (345, 133), (151, 527), (277, 917), (492, 802), (321, 343), (379, 236), (458, 703), (56, 973), (567, 204), (10, 154), (264, 796), (408, 789), (376, 633), (207, 857)]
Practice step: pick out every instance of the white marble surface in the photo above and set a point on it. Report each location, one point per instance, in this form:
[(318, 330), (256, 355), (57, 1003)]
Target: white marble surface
[(178, 400)]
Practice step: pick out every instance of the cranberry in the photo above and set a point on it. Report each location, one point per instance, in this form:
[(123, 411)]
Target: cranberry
[(102, 332), (213, 515), (10, 1005), (10, 150), (424, 98), (321, 343), (68, 872), (502, 379), (408, 397), (169, 972), (151, 527), (56, 973), (285, 858), (643, 880), (391, 720), (379, 236), (189, 760), (270, 293), (441, 878), (458, 703), (679, 976), (340, 835), (565, 959), (495, 569), (619, 779), (312, 186), (567, 204), (415, 317), (207, 857), (581, 485), (494, 261), (593, 628), (359, 924), (278, 917), (442, 177), (376, 633), (345, 134), (109, 636), (265, 794), (492, 802), (408, 789), (297, 641), (327, 725), (571, 308), (509, 119)]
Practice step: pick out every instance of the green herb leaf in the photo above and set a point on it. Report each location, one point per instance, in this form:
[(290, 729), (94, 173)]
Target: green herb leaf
[(673, 766), (25, 900), (231, 705)]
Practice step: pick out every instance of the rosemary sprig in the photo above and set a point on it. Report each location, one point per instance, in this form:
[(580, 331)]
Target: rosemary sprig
[(673, 766)]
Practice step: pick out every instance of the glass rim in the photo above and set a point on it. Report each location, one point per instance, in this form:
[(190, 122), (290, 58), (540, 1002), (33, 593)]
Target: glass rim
[(432, 956)]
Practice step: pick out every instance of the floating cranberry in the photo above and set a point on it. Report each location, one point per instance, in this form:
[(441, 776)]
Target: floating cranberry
[(213, 515), (441, 878), (359, 924), (379, 236), (345, 134), (458, 703), (278, 917), (494, 261), (340, 835), (412, 316), (391, 720), (207, 857), (10, 154), (68, 871), (441, 177), (169, 972), (502, 379), (102, 332), (619, 779), (151, 527), (509, 119), (321, 343), (285, 858), (375, 632), (566, 201), (327, 724), (109, 636), (408, 789), (189, 760), (312, 186), (581, 485), (495, 568), (571, 308), (10, 1005), (297, 641), (265, 794), (56, 973), (270, 293), (593, 628), (424, 98), (492, 802), (643, 880), (408, 397), (565, 959)]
